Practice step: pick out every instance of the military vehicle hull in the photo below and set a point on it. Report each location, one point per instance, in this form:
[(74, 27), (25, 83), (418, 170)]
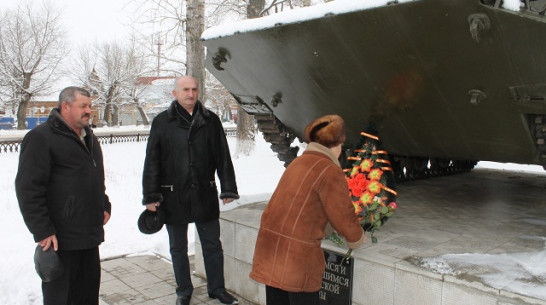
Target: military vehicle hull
[(438, 79)]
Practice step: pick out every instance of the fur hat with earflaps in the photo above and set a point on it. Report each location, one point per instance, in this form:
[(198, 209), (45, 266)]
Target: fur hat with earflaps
[(328, 130)]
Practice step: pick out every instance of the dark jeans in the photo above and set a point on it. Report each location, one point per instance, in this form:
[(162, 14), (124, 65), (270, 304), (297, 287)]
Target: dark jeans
[(276, 296), (80, 282), (213, 255)]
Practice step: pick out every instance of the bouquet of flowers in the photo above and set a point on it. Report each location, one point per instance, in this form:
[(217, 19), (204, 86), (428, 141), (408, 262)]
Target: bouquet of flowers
[(371, 186)]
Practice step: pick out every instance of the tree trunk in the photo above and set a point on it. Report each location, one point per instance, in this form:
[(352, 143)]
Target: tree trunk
[(245, 122), (254, 8), (115, 115), (108, 108), (142, 113), (24, 99), (195, 50), (22, 112), (107, 113)]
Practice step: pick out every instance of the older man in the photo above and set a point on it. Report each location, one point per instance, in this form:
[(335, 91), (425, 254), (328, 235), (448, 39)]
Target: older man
[(186, 147), (61, 193)]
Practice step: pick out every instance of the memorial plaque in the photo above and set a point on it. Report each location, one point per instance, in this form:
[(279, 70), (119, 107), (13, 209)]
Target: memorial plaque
[(337, 280)]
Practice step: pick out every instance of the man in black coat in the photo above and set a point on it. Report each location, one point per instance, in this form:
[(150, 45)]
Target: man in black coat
[(61, 193), (186, 147)]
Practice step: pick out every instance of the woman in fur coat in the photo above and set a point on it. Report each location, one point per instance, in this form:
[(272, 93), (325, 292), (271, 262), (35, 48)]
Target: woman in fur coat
[(311, 194)]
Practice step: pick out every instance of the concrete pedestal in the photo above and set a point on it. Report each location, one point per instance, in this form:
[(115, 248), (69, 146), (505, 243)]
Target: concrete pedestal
[(435, 217)]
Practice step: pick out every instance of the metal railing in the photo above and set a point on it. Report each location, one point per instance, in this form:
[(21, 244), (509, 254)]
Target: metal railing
[(123, 138), (9, 146), (12, 144)]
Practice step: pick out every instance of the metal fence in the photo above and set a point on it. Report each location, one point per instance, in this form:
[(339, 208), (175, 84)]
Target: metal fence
[(9, 146), (113, 139), (12, 144)]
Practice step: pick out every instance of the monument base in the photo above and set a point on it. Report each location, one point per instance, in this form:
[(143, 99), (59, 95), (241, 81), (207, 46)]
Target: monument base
[(435, 217)]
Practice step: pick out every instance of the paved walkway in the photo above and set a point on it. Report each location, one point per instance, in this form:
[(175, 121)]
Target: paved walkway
[(147, 280)]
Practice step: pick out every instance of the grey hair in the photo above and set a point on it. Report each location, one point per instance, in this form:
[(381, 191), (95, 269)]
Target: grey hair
[(68, 94), (184, 76)]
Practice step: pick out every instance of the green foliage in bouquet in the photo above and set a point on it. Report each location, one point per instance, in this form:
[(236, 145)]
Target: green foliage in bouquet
[(371, 186)]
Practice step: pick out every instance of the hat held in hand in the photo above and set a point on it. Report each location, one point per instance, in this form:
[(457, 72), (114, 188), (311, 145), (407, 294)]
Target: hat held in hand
[(48, 264), (151, 222)]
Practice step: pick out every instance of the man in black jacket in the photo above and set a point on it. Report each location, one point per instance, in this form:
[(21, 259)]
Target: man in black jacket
[(61, 193), (186, 147)]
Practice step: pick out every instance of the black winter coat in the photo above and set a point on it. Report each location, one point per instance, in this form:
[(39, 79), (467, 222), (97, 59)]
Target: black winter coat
[(182, 157), (60, 185)]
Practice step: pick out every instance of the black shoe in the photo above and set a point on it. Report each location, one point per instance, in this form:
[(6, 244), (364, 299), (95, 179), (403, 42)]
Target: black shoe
[(182, 300), (224, 297)]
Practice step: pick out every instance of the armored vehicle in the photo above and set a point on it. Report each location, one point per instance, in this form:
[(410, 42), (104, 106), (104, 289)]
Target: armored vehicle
[(443, 83)]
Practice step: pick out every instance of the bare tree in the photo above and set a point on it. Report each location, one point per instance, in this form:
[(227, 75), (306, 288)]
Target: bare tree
[(135, 93), (161, 29), (195, 50), (110, 71), (32, 46), (246, 128), (181, 27), (255, 8), (219, 99)]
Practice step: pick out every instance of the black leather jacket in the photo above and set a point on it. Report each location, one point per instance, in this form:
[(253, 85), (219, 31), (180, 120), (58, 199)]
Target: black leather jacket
[(60, 185), (182, 158)]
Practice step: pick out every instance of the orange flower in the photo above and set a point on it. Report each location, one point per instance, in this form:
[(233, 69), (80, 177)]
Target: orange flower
[(366, 198), (366, 165), (357, 206), (354, 171), (357, 184), (363, 183), (356, 192), (375, 187), (375, 174)]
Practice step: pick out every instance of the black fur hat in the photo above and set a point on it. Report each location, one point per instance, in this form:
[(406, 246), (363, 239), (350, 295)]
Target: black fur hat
[(328, 130), (48, 264), (151, 222)]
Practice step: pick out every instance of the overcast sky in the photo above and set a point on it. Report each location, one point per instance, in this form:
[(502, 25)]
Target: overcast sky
[(87, 21)]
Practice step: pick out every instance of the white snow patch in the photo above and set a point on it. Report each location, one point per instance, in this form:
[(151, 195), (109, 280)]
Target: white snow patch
[(293, 16), (513, 5), (523, 272)]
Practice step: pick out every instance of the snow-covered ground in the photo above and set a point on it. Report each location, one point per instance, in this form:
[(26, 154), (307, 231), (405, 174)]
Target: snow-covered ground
[(257, 176)]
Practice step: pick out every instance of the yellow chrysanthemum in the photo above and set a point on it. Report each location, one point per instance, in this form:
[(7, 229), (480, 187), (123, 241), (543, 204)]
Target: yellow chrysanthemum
[(358, 207), (354, 171), (374, 187), (366, 165), (375, 174), (366, 198)]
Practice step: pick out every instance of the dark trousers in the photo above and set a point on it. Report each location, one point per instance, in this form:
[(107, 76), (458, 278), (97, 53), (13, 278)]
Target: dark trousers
[(213, 255), (276, 296), (80, 282)]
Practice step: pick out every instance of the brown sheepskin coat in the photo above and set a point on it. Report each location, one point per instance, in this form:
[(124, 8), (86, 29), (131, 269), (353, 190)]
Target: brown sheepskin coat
[(311, 193)]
